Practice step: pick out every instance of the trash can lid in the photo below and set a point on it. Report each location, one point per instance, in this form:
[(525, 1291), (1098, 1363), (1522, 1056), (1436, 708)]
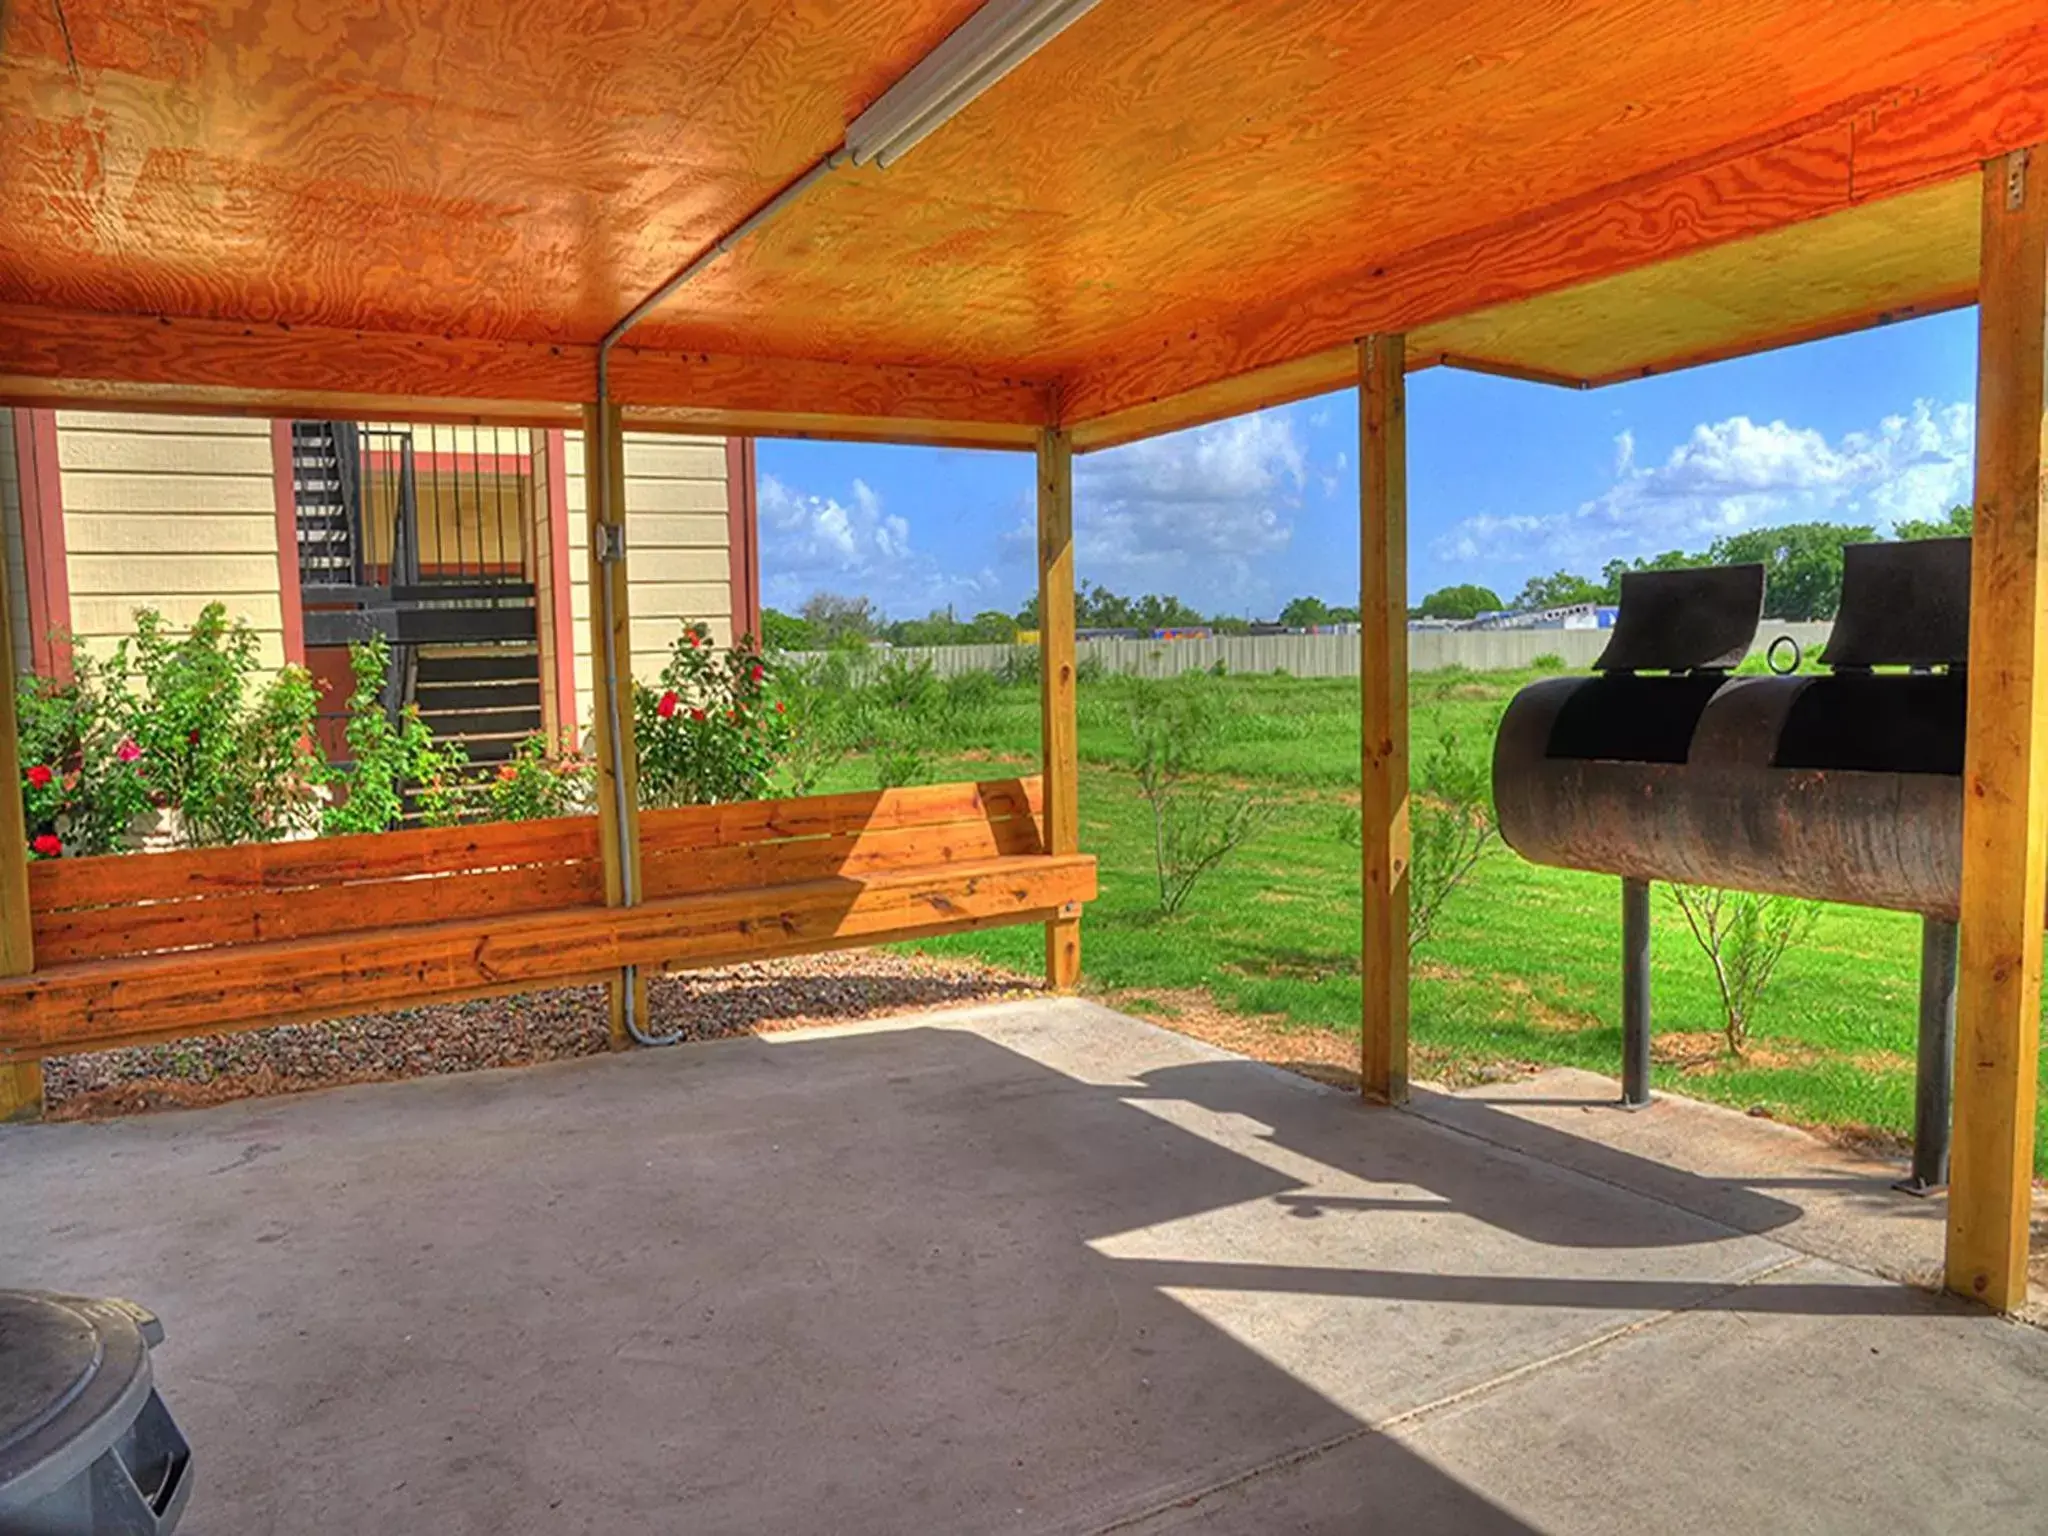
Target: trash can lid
[(74, 1373)]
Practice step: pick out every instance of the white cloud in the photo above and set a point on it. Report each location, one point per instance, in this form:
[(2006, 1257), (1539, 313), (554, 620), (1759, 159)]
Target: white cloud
[(858, 548), (1728, 476), (1197, 514)]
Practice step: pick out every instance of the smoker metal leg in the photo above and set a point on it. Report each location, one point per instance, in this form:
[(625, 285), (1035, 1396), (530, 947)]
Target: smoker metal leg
[(1635, 993), (1934, 1081)]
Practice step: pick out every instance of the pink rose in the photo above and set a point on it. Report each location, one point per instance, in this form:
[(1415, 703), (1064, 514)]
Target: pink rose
[(127, 752)]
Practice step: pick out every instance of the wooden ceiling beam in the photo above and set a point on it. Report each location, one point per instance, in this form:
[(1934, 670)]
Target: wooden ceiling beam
[(155, 362), (1935, 130)]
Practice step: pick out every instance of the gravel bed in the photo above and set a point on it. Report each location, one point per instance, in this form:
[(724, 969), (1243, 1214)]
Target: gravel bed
[(513, 1031)]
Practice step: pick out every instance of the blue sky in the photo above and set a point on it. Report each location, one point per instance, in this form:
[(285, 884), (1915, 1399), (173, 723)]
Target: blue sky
[(1505, 480)]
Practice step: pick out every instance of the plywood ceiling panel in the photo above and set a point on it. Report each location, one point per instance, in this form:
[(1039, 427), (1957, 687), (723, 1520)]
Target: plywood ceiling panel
[(1174, 193), (1908, 255)]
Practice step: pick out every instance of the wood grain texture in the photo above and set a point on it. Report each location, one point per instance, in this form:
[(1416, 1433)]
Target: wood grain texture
[(1872, 146), (95, 1004), (21, 1083), (616, 782), (84, 358), (2005, 764), (1874, 262), (1172, 193), (1059, 730), (757, 843), (1383, 697)]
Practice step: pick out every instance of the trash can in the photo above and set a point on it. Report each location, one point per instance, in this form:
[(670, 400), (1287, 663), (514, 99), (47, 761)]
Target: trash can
[(86, 1445)]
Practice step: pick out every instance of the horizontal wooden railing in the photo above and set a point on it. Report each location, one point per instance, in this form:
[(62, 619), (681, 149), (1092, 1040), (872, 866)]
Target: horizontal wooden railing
[(138, 947)]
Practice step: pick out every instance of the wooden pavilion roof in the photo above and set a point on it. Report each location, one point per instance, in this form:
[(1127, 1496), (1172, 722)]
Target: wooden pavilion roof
[(1179, 209)]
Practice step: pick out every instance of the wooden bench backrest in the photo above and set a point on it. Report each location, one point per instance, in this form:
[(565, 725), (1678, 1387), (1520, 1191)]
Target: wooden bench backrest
[(142, 904), (147, 903), (701, 848)]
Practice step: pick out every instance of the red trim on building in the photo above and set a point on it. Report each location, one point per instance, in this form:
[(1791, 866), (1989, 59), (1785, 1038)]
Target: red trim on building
[(556, 594), (289, 599), (743, 536), (42, 543)]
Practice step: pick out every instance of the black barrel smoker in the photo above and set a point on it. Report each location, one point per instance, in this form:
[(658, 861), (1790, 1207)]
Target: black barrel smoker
[(1844, 786)]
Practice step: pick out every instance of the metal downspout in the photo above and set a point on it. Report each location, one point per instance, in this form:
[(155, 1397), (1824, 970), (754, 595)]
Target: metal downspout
[(610, 551)]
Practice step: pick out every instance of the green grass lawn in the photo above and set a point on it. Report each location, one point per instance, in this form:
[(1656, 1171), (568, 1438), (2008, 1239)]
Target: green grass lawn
[(1524, 966)]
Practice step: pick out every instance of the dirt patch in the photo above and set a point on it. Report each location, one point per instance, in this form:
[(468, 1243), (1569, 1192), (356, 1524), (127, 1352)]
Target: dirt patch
[(1523, 1006), (1698, 1051), (514, 1031), (1326, 1055)]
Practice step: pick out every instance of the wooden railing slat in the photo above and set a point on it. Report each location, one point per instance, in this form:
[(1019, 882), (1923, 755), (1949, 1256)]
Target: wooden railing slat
[(254, 917), (754, 821), (124, 879)]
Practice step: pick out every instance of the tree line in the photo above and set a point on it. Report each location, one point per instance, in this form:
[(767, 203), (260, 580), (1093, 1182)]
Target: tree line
[(1802, 580), (829, 619)]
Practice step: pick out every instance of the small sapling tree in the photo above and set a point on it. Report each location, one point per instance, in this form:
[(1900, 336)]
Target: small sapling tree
[(1197, 822), (1744, 937)]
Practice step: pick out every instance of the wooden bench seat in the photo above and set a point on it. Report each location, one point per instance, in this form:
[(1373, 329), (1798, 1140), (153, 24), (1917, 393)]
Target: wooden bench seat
[(149, 947)]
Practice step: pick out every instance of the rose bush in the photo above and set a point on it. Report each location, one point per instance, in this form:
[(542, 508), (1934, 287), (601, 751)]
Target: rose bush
[(713, 728)]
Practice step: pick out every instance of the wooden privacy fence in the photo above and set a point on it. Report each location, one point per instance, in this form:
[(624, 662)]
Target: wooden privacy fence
[(138, 947)]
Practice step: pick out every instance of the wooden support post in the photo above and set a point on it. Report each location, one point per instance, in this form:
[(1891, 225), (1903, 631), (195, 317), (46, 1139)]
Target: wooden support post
[(1059, 731), (1383, 696), (2005, 762), (604, 457), (554, 625), (21, 1082)]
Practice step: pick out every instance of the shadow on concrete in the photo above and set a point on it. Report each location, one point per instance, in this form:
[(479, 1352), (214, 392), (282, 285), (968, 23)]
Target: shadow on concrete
[(848, 1283), (1470, 1184)]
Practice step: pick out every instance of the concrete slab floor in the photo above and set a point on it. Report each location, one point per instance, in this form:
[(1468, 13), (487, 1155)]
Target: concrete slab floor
[(1036, 1268)]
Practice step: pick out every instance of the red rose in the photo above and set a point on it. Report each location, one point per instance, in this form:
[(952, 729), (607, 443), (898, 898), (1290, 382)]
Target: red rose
[(508, 773), (758, 673), (696, 714), (192, 737), (780, 707), (48, 845), (39, 777), (691, 636), (667, 707)]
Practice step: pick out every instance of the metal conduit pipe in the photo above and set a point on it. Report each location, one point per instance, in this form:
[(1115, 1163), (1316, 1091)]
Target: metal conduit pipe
[(610, 550)]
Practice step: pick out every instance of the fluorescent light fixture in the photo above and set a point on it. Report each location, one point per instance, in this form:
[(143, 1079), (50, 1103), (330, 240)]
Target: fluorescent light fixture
[(975, 55)]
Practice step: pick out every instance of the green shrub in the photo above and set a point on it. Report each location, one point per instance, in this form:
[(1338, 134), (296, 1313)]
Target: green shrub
[(821, 703), (714, 730), (1549, 661), (898, 763), (231, 758), (1197, 823), (538, 782), (1021, 666), (390, 760), (82, 782), (1450, 827)]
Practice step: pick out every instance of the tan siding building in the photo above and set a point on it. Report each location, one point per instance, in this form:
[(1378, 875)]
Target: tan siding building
[(173, 512), (678, 543)]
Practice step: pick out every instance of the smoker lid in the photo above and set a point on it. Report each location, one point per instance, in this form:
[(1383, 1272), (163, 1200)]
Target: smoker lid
[(1904, 604), (74, 1372), (1684, 621)]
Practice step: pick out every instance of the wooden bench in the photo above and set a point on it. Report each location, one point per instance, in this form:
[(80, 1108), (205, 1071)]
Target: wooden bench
[(140, 947)]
